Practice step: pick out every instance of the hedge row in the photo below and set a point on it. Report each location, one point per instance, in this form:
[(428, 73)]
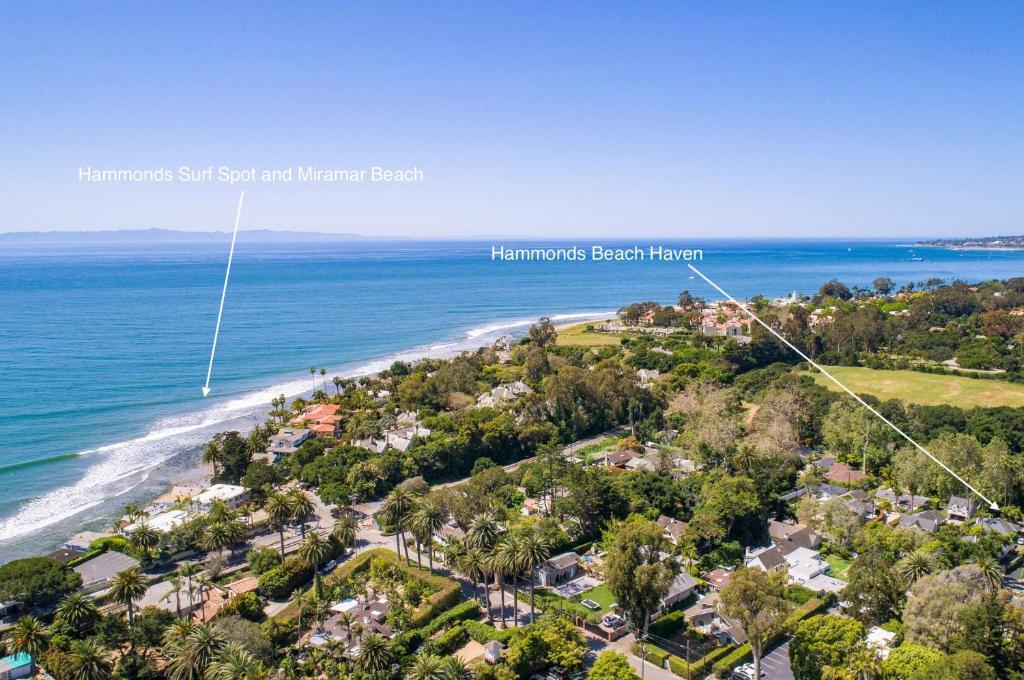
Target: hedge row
[(809, 608), (482, 633), (678, 665), (668, 624), (447, 642), (283, 579), (412, 639)]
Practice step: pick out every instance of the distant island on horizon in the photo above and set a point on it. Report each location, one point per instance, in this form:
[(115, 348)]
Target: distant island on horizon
[(982, 243)]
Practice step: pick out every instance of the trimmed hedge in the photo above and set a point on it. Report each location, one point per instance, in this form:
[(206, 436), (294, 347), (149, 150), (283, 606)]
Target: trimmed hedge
[(679, 665), (808, 609), (655, 654), (446, 643), (668, 624), (483, 633), (470, 609), (283, 579)]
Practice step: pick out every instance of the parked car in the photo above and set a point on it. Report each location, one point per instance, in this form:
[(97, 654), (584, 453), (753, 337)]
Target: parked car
[(745, 672)]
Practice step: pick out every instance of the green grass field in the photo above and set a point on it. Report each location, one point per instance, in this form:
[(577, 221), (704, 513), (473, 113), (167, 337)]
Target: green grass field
[(840, 567), (925, 388), (578, 335)]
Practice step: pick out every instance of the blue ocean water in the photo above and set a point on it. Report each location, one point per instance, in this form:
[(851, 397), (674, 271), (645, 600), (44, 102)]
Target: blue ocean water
[(104, 349)]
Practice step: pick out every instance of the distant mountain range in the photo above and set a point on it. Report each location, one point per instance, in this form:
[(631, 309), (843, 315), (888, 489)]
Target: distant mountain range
[(148, 236), (983, 242)]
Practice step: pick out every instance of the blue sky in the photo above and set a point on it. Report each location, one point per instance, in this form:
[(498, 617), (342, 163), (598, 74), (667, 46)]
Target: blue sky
[(550, 119)]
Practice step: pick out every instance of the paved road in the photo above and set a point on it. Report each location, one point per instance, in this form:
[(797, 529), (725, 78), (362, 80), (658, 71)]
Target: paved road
[(775, 664)]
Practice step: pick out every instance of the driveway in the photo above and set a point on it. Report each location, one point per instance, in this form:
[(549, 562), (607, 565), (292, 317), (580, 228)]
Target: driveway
[(775, 664)]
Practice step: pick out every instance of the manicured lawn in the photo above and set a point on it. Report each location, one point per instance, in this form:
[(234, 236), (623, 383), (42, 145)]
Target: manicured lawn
[(925, 388), (840, 567), (600, 594), (578, 335)]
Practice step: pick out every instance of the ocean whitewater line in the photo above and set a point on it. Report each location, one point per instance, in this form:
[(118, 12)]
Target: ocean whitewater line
[(121, 467)]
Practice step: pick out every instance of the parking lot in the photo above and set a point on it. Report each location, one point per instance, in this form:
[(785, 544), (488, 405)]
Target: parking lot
[(775, 664)]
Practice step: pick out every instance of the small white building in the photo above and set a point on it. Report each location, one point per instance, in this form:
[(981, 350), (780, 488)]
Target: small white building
[(880, 641)]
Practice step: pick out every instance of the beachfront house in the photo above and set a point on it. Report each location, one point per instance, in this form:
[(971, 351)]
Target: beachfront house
[(288, 440), (558, 569), (323, 419), (230, 494), (97, 572)]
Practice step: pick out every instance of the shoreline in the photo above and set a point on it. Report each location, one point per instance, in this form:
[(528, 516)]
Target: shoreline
[(192, 474)]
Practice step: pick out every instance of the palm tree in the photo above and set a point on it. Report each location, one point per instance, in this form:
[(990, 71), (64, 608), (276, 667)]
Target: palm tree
[(375, 654), (346, 620), (496, 566), (144, 538), (221, 535), (454, 668), (232, 662), (213, 455), (256, 441), (426, 667), (915, 565), (427, 522), (196, 653), (279, 510), (312, 373), (176, 586), (992, 571), (301, 506), (337, 385), (203, 586), (133, 512), (864, 665), (534, 551), (323, 379), (28, 636), (127, 587), (474, 565), (89, 660), (394, 511), (507, 554), (344, 531), (483, 531), (189, 570), (314, 549), (175, 635), (79, 611)]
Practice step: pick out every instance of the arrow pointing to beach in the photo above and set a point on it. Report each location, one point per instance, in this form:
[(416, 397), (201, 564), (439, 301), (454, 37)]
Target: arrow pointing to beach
[(991, 504), (223, 294)]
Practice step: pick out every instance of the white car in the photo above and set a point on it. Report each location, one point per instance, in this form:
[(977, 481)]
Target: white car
[(745, 672)]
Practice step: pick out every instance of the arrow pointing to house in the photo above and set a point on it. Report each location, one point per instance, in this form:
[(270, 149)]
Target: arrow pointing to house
[(223, 294), (991, 504)]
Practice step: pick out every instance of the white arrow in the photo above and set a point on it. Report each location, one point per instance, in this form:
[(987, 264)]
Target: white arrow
[(991, 504), (223, 294)]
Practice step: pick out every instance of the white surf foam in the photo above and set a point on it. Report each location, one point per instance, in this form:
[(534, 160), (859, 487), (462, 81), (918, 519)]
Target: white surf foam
[(122, 466)]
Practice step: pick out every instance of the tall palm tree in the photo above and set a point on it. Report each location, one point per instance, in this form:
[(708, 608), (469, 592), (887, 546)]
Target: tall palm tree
[(427, 522), (256, 442), (144, 538), (203, 587), (175, 634), (213, 455), (302, 507), (915, 565), (134, 512), (188, 570), (992, 571), (279, 510), (323, 379), (496, 566), (89, 660), (474, 565), (127, 587), (534, 550), (176, 586), (337, 385), (221, 535), (509, 555), (426, 667), (346, 620), (79, 611), (344, 531), (483, 531), (312, 374), (28, 635), (375, 654), (395, 510), (315, 549)]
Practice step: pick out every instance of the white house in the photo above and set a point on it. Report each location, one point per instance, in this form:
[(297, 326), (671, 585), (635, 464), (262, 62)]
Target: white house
[(232, 495)]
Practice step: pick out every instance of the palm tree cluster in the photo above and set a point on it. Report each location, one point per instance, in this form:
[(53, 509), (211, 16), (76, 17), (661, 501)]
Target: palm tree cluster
[(285, 508)]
